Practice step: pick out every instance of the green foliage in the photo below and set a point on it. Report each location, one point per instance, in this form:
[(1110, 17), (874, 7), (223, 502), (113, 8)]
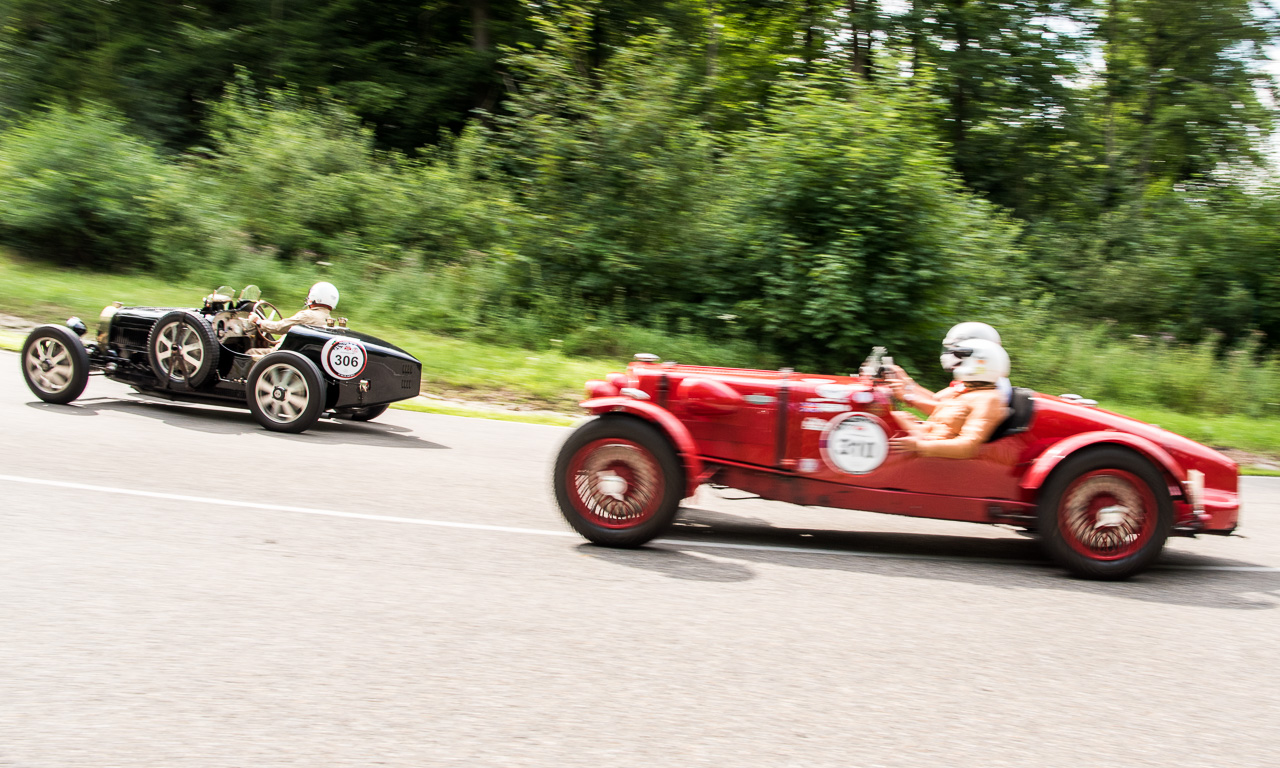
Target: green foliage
[(855, 232), (414, 68), (1054, 356), (744, 181), (79, 189), (305, 180), (616, 171)]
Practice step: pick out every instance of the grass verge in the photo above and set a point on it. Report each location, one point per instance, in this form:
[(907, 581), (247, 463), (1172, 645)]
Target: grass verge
[(1256, 435), (449, 409)]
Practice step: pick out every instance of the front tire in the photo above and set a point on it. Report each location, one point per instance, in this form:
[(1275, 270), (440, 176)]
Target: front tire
[(618, 482), (55, 364), (285, 392), (1105, 514)]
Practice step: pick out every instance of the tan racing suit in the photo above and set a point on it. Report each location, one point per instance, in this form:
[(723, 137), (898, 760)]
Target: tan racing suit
[(318, 316), (960, 422)]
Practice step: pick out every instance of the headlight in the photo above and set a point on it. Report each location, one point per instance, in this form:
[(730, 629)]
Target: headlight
[(104, 323), (1193, 486)]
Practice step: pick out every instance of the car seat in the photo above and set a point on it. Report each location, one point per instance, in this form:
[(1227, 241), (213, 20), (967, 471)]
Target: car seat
[(1021, 412)]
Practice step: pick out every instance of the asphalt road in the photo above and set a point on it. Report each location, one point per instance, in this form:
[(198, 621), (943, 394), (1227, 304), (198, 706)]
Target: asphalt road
[(179, 587)]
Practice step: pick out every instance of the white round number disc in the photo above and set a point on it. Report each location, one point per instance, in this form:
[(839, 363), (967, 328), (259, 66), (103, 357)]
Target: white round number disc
[(344, 358), (855, 445)]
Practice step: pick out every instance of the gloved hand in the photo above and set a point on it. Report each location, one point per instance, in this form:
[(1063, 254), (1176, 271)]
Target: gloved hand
[(898, 381)]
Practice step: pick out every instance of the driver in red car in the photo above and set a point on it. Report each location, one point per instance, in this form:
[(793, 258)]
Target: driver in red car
[(964, 416), (911, 393), (322, 299)]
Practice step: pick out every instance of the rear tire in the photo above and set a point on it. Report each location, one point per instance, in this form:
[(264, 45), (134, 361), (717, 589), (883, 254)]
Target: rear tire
[(55, 364), (618, 481), (183, 350), (1105, 514), (285, 392)]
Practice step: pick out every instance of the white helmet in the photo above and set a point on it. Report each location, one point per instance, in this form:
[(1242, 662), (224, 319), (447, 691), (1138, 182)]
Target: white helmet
[(980, 361), (323, 293), (964, 332)]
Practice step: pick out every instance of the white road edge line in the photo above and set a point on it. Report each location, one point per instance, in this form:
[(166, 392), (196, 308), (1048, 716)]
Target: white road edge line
[(544, 532)]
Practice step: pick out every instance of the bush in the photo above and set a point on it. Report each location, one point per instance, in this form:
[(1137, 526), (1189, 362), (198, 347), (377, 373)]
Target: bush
[(77, 188), (854, 232), (306, 180)]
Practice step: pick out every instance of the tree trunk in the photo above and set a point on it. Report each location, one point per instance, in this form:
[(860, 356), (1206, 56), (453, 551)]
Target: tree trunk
[(960, 88), (713, 38), (479, 24), (810, 33), (916, 20), (1111, 61), (862, 14)]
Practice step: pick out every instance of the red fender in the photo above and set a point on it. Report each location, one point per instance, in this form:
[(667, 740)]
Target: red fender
[(1045, 463), (668, 423)]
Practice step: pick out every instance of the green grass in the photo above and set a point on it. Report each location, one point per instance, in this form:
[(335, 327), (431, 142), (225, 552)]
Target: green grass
[(47, 294), (1257, 435), (11, 340), (447, 409)]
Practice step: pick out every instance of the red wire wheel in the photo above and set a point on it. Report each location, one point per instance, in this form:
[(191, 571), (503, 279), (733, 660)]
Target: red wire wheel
[(1105, 513), (618, 481)]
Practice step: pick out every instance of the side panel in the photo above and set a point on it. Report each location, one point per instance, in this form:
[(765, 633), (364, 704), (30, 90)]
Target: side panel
[(819, 493), (669, 424)]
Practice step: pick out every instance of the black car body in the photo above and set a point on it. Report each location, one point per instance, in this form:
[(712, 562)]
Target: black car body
[(202, 355)]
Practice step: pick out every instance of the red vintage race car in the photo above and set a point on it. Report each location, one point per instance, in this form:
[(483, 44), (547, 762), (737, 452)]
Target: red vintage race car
[(1102, 490)]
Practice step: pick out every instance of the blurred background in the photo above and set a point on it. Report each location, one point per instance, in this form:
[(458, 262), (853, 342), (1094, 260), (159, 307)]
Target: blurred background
[(740, 182)]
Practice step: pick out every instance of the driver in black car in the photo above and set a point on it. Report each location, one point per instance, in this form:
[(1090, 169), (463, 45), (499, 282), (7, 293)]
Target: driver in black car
[(321, 301)]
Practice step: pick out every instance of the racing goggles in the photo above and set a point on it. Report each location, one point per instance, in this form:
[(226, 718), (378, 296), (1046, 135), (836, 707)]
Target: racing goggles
[(951, 356)]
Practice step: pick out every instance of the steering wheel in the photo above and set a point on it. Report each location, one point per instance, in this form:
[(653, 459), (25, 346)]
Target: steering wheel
[(265, 310)]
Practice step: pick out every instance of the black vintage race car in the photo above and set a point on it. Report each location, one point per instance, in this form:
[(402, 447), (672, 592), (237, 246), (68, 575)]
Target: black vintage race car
[(202, 355)]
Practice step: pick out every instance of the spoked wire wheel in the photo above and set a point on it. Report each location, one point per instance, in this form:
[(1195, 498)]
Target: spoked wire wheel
[(616, 483), (619, 481), (55, 364), (1105, 513)]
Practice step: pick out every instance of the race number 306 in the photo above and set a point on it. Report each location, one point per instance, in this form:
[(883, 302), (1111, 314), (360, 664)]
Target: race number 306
[(344, 359)]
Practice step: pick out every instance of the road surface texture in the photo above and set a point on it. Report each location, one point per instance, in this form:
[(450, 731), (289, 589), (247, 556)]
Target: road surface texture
[(182, 588)]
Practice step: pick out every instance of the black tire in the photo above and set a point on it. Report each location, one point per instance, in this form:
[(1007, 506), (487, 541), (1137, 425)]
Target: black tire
[(1102, 481), (55, 364), (286, 392), (647, 481), (362, 414), (183, 350)]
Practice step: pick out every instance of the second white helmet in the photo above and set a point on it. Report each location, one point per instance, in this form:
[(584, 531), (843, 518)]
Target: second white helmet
[(323, 293), (980, 361), (964, 332)]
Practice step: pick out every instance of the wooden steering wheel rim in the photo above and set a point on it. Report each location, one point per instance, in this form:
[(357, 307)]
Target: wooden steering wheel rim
[(264, 310)]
